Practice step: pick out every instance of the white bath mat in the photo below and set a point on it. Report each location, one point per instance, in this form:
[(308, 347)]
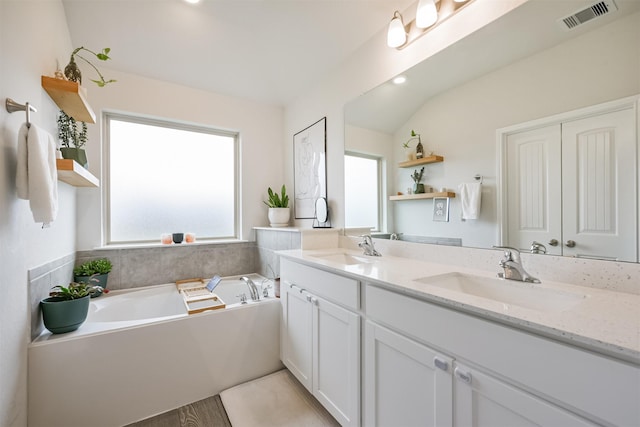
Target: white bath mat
[(278, 400)]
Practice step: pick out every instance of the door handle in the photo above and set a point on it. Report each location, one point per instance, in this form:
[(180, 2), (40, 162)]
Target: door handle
[(570, 243), (440, 364), (462, 375), (553, 242)]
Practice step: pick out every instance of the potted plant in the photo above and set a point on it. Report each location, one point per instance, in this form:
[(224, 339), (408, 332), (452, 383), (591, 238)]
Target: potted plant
[(71, 139), (419, 149), (72, 72), (278, 207), (418, 188), (66, 308), (94, 272)]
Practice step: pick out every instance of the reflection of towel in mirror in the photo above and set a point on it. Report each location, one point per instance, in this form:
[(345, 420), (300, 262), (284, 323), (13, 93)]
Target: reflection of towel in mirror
[(36, 174), (470, 196)]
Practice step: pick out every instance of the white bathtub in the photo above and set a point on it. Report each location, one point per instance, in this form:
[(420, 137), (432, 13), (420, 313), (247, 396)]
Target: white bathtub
[(139, 354)]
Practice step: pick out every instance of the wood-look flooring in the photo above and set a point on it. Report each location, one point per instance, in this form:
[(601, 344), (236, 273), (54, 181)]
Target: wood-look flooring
[(203, 413)]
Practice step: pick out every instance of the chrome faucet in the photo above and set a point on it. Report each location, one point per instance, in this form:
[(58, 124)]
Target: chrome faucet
[(368, 246), (538, 248), (512, 265), (253, 289)]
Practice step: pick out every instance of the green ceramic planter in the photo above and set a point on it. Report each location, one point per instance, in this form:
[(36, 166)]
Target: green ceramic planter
[(77, 154), (62, 316), (95, 280)]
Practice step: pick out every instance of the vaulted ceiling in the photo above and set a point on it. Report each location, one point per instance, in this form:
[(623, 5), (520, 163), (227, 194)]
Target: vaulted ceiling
[(266, 50)]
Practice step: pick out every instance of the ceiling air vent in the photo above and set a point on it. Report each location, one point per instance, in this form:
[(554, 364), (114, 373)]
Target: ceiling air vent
[(601, 8)]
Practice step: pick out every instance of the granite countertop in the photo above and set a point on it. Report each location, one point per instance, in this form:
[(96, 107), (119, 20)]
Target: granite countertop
[(600, 320)]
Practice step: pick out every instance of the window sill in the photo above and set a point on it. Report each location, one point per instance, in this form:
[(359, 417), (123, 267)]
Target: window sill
[(149, 245)]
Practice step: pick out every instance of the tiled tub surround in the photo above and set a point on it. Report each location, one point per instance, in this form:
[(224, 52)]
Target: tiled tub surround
[(606, 321), (137, 267)]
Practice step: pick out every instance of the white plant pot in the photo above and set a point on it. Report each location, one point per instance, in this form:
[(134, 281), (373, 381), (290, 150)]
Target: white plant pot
[(279, 217)]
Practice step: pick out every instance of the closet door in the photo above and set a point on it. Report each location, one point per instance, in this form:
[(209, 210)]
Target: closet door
[(599, 186), (534, 188)]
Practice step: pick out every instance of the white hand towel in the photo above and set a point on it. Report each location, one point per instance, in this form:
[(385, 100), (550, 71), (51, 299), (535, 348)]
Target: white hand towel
[(22, 174), (36, 175), (470, 199)]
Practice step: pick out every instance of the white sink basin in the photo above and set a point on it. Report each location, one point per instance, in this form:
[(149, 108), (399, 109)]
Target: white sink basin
[(347, 259), (527, 295)]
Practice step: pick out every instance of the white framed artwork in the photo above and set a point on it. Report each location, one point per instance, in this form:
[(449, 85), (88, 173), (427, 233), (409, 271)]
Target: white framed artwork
[(309, 168)]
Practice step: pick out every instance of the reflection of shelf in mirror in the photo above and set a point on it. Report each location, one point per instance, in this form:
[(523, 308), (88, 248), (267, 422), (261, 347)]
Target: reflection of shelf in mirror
[(422, 161), (73, 173), (70, 98), (422, 196)]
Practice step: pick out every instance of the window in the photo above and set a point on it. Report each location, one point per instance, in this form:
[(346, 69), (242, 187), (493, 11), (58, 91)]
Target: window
[(362, 178), (165, 177)]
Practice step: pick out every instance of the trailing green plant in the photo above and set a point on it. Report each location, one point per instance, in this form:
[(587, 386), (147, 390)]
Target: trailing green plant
[(277, 200), (417, 177), (414, 135), (74, 291), (72, 72), (68, 133), (96, 266)]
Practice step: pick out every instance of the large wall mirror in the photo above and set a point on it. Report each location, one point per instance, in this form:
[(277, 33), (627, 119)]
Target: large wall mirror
[(522, 67)]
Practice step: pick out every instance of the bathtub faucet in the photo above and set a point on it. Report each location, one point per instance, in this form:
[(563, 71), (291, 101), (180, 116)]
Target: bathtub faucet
[(253, 289)]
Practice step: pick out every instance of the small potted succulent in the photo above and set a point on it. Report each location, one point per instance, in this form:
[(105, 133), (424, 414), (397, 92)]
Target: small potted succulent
[(95, 272), (66, 308), (278, 207)]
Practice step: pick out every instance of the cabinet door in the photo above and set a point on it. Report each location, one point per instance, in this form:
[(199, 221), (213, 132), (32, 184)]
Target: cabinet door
[(406, 383), (481, 400), (534, 189), (599, 186), (336, 364), (298, 324)]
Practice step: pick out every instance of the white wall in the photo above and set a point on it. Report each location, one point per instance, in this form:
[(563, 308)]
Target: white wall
[(33, 35), (460, 124), (259, 125)]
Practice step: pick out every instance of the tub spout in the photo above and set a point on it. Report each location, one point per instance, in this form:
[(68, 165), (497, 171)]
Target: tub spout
[(253, 289)]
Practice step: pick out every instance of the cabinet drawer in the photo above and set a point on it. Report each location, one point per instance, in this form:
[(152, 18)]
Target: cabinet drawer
[(342, 290), (601, 388)]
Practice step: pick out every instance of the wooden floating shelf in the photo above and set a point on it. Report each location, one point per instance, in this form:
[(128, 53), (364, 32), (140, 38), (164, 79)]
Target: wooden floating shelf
[(70, 97), (422, 196), (422, 161), (74, 174)]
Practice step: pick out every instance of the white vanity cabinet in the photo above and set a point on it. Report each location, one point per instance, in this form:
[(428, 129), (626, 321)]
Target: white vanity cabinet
[(498, 375), (321, 339), (405, 383)]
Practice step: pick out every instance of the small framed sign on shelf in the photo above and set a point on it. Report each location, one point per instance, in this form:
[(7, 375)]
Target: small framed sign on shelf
[(441, 209)]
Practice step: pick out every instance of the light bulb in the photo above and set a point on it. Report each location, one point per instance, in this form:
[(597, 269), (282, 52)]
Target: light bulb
[(427, 14), (396, 35)]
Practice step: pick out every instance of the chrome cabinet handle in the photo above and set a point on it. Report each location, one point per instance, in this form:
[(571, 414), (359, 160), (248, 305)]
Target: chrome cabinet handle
[(570, 243), (463, 376), (440, 364), (553, 242), (308, 297), (314, 300)]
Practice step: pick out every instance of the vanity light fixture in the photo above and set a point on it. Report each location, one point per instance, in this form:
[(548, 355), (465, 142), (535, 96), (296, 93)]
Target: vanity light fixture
[(429, 14), (396, 35), (426, 14)]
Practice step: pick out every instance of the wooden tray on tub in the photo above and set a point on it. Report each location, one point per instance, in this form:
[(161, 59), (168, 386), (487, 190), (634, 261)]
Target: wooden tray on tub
[(197, 296)]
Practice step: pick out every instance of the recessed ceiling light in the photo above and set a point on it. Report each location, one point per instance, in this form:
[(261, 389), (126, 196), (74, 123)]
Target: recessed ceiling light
[(399, 80), (192, 1)]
